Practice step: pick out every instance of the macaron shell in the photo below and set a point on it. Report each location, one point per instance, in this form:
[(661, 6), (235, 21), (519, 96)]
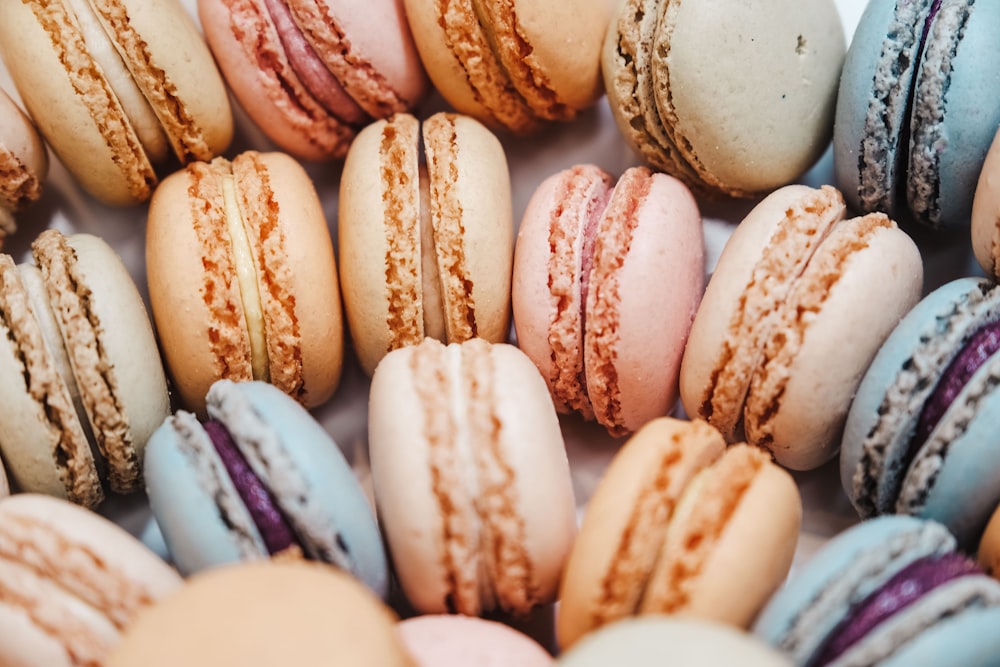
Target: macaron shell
[(986, 212), (533, 506), (806, 422), (439, 640), (791, 82), (953, 128), (115, 170), (988, 552), (644, 641), (313, 612), (198, 510), (969, 638), (661, 245), (625, 522), (330, 487), (24, 160)]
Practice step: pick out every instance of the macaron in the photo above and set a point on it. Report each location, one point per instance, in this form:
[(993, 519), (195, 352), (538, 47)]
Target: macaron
[(425, 245), (648, 641), (911, 130), (607, 277), (82, 386), (311, 74), (988, 553), (452, 640), (24, 164), (471, 477), (121, 89), (71, 581), (265, 613), (512, 65), (766, 359), (733, 98), (259, 478), (888, 591), (680, 525), (985, 221), (921, 435), (243, 280)]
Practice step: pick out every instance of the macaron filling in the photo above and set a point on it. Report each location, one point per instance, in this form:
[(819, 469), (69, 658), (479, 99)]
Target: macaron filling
[(905, 588), (274, 529)]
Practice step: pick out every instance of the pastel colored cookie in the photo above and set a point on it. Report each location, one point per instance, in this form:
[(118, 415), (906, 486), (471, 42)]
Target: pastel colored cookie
[(312, 73), (82, 386), (921, 435), (988, 553), (471, 477), (120, 89), (450, 640), (649, 641), (425, 245), (261, 614), (911, 129), (889, 591), (260, 478), (731, 97), (512, 64), (607, 278), (667, 529), (766, 359), (986, 212), (242, 278), (24, 164), (71, 581)]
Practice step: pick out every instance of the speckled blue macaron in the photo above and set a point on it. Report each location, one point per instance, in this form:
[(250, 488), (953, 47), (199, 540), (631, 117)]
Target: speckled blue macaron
[(912, 125), (921, 438), (205, 521)]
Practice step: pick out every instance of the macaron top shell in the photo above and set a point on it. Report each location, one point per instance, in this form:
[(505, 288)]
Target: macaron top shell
[(219, 618), (194, 264), (452, 640), (24, 160), (92, 133)]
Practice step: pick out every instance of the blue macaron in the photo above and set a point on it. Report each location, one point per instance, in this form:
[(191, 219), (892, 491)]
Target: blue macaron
[(922, 435), (914, 119), (260, 478), (881, 591)]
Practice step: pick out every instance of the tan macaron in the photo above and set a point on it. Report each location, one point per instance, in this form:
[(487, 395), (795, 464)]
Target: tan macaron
[(426, 249), (118, 88), (242, 278), (24, 164)]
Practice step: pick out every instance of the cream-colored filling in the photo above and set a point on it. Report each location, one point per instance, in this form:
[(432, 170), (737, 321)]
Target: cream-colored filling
[(246, 277)]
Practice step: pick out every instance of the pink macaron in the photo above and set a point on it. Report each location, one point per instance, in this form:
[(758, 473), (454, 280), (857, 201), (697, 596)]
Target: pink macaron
[(607, 278), (440, 640), (311, 74)]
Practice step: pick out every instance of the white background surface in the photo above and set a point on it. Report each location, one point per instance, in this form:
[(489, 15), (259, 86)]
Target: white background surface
[(592, 138)]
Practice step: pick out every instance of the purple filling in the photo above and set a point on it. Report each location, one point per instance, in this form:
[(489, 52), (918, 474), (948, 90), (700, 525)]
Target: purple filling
[(983, 344), (276, 532), (906, 587), (935, 7)]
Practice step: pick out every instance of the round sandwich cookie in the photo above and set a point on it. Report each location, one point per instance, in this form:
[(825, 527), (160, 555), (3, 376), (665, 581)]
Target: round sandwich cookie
[(912, 129), (243, 280), (986, 212), (263, 614), (734, 98), (793, 282), (82, 386), (312, 73), (71, 582), (24, 164), (259, 478), (440, 640), (889, 591), (655, 640), (471, 477), (122, 90), (607, 278), (922, 433), (667, 529), (513, 64), (426, 234)]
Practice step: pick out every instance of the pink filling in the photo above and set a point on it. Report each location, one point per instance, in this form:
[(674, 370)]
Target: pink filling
[(596, 205), (315, 76)]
